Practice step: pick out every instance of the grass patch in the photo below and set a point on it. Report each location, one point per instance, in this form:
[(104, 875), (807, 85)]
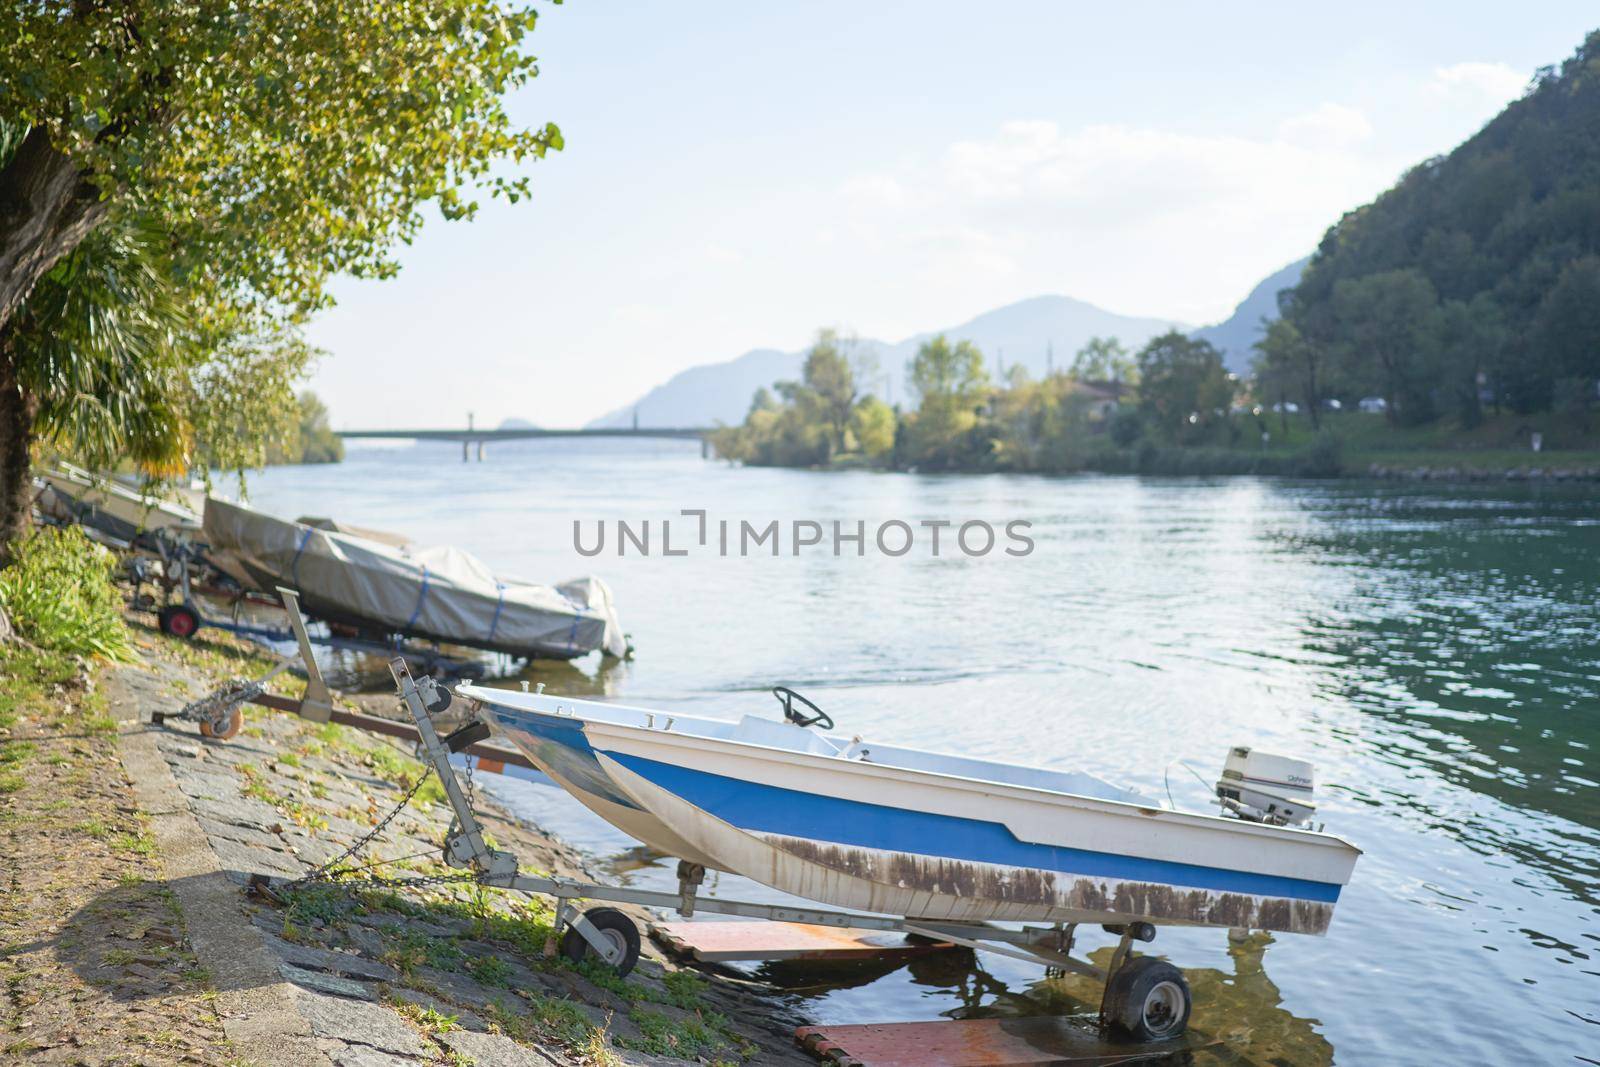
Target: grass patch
[(428, 1020), (547, 1019), (490, 970), (139, 843), (414, 950), (691, 1037), (16, 753)]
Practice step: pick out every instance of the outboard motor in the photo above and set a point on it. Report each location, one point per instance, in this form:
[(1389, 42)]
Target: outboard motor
[(1263, 787)]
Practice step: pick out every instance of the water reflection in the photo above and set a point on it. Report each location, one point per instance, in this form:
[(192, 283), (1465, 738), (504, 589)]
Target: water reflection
[(1239, 1014)]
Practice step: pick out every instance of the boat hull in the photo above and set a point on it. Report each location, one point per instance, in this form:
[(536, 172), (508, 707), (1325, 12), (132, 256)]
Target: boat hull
[(882, 838), (919, 882)]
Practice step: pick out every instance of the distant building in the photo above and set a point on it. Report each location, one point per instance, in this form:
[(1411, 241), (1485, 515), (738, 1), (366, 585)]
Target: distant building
[(1101, 396)]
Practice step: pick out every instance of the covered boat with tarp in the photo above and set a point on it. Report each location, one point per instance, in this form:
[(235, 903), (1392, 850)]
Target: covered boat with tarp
[(391, 587)]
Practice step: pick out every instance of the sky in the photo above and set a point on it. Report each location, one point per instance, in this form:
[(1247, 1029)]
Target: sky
[(738, 175)]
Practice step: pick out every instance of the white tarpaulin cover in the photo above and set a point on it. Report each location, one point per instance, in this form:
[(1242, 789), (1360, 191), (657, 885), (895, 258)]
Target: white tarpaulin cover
[(440, 593)]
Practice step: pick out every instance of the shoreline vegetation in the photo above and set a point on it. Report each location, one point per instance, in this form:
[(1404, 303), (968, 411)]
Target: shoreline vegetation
[(1447, 329), (312, 440), (1170, 409)]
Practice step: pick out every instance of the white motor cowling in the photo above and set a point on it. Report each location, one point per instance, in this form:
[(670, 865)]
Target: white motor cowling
[(1265, 787)]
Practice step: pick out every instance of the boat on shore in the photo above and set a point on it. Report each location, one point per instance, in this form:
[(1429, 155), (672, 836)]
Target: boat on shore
[(902, 831), (387, 587), (110, 508)]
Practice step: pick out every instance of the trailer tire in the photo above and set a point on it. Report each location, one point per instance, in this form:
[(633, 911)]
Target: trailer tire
[(1148, 999), (227, 727), (179, 620), (615, 927)]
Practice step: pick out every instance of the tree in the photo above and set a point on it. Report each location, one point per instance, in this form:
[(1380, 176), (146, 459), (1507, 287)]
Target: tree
[(1287, 364), (950, 382), (942, 373), (275, 142), (314, 440), (829, 387), (1388, 328), (1183, 385), (1566, 328), (110, 361), (1471, 339), (874, 426), (1104, 359), (267, 146)]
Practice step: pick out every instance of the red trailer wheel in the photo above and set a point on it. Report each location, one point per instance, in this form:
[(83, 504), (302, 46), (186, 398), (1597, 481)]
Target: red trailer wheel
[(179, 620)]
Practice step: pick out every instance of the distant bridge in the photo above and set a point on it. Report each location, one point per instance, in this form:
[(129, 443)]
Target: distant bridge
[(472, 436)]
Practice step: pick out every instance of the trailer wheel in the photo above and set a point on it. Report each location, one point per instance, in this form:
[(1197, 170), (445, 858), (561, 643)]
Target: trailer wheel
[(227, 727), (1148, 999), (179, 620), (614, 927)]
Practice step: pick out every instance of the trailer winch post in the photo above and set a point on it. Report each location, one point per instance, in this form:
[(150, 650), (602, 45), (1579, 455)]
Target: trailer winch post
[(317, 704), (466, 847)]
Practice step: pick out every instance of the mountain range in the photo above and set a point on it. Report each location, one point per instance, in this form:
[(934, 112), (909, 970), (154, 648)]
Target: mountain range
[(1040, 333)]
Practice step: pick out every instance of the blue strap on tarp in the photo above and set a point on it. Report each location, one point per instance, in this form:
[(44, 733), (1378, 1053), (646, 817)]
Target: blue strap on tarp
[(294, 567), (499, 602), (422, 595)]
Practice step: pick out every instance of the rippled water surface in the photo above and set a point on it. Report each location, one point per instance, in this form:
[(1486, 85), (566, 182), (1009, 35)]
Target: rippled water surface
[(1436, 652)]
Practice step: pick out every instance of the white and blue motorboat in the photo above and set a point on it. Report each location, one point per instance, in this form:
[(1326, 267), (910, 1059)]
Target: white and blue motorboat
[(900, 831)]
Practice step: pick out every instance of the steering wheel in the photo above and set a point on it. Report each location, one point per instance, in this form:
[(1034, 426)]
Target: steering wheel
[(787, 697)]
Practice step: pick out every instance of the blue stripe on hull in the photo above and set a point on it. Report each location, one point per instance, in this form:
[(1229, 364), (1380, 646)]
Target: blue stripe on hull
[(773, 810), (562, 750)]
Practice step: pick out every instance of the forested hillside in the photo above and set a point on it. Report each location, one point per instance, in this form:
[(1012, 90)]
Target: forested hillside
[(1473, 283)]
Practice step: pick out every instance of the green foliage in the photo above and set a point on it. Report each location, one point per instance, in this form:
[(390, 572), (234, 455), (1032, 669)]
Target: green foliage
[(278, 143), (951, 383), (59, 594), (812, 423), (1184, 389), (123, 364), (1287, 366), (873, 426), (314, 441), (1477, 277), (699, 1035)]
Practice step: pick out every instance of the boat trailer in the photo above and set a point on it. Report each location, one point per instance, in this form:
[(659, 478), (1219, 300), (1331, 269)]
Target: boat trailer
[(1144, 996), (181, 613)]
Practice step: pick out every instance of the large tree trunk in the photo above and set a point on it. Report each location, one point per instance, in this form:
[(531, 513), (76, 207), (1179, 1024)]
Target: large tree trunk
[(17, 412), (46, 207)]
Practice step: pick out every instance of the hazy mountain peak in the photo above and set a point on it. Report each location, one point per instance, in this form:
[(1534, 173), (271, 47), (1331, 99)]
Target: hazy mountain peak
[(1237, 335), (1038, 332)]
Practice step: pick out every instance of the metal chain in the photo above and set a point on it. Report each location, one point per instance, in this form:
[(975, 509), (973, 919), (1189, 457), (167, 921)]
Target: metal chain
[(215, 704), (325, 872)]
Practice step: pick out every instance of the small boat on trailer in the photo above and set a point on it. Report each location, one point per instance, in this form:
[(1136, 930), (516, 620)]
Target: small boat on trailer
[(939, 845), (386, 586), (112, 509)]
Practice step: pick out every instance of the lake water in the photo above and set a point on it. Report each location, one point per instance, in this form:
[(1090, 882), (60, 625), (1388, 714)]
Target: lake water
[(1435, 650)]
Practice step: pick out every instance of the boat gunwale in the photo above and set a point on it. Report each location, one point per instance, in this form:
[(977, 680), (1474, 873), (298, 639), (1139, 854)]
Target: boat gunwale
[(1120, 808)]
